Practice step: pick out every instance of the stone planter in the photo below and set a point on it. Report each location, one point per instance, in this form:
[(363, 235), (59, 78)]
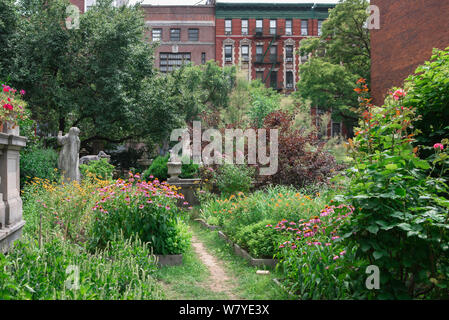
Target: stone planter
[(9, 127), (11, 221), (168, 260), (174, 170)]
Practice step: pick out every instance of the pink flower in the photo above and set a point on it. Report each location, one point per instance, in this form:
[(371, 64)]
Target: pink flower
[(22, 92), (336, 257), (141, 206), (398, 94), (438, 146)]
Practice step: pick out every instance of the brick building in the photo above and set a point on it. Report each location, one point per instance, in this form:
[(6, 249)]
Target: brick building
[(184, 33), (409, 30), (263, 38)]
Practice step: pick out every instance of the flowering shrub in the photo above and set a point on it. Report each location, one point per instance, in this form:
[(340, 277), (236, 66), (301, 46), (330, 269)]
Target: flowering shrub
[(12, 107), (314, 260), (99, 168), (232, 178), (401, 220), (145, 209)]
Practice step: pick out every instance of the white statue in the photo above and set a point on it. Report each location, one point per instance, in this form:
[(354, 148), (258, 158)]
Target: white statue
[(68, 161)]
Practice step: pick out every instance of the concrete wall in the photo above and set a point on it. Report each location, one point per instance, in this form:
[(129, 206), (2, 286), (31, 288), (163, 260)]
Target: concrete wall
[(409, 30)]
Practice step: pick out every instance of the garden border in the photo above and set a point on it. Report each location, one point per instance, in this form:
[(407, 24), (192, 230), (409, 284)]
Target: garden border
[(239, 250)]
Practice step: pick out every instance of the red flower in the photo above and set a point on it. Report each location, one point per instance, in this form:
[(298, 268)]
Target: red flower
[(7, 106)]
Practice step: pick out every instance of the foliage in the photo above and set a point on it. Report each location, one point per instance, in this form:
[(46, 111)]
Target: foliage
[(263, 102), (315, 261), (145, 209), (8, 25), (38, 162), (428, 92), (98, 77), (233, 178), (260, 241), (340, 55), (101, 169), (302, 159), (159, 169), (122, 271), (401, 217)]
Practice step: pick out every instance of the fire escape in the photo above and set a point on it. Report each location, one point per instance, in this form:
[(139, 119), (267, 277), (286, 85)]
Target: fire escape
[(260, 59)]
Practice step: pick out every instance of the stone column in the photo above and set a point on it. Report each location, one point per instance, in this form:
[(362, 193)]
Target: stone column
[(11, 221)]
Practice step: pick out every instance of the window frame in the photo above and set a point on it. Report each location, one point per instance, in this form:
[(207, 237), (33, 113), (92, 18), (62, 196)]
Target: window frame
[(289, 53), (245, 28), (197, 34), (228, 29), (245, 56), (306, 23), (259, 29), (287, 84), (171, 34), (259, 56), (273, 30), (288, 33), (152, 34), (225, 53)]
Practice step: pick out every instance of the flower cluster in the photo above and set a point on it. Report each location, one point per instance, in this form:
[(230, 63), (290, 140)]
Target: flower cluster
[(12, 106)]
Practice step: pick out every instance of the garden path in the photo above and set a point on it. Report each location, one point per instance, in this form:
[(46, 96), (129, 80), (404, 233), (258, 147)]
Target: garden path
[(219, 281)]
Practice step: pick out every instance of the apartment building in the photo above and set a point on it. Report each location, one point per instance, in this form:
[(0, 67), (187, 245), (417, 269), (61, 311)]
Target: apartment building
[(184, 34), (263, 38)]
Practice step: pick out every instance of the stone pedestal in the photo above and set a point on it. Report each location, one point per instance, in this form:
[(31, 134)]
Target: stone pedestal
[(11, 221)]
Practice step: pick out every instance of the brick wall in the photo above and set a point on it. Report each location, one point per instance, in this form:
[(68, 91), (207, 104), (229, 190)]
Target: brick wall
[(79, 4), (409, 30), (184, 17)]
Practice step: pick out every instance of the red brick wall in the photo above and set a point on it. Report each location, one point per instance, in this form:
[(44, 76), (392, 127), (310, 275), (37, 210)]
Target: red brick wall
[(409, 30), (184, 17)]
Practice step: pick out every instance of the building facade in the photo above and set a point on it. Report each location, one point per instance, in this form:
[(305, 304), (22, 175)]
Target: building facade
[(184, 34), (263, 38), (409, 30)]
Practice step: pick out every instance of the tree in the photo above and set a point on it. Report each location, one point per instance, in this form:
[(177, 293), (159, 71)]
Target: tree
[(8, 25), (98, 77), (340, 56)]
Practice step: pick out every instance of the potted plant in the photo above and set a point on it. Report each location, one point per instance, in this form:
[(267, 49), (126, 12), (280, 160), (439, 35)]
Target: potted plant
[(12, 109)]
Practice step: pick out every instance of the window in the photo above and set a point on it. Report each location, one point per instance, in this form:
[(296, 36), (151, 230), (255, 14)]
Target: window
[(320, 25), (336, 129), (194, 34), (273, 27), (228, 53), (259, 75), (228, 26), (170, 61), (244, 27), (289, 80), (245, 53), (203, 57), (259, 53), (175, 34), (274, 79), (156, 34), (304, 28), (273, 53), (289, 53), (259, 26), (288, 27)]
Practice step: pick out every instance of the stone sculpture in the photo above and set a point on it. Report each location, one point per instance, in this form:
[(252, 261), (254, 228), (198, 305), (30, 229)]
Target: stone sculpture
[(89, 158), (68, 161)]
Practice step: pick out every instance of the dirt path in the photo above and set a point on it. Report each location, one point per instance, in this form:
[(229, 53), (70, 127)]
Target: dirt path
[(219, 280)]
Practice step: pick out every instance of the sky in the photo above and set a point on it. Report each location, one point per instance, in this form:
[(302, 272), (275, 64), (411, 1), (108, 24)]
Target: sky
[(192, 2)]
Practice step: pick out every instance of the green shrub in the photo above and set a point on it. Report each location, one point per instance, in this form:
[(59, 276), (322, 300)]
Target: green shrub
[(159, 169), (99, 168), (401, 219), (232, 179), (38, 162), (260, 241)]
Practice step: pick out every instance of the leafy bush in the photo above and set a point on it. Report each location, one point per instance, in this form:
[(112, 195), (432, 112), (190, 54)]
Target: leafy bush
[(302, 159), (260, 241), (316, 263), (145, 209), (232, 179), (428, 92), (38, 162), (159, 169), (401, 221), (124, 270), (100, 168)]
